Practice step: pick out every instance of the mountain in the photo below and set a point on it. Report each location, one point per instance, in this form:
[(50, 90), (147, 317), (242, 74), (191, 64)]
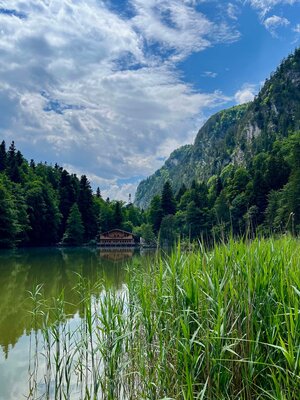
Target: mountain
[(234, 136)]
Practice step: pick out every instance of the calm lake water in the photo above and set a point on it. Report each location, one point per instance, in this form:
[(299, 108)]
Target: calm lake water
[(21, 271)]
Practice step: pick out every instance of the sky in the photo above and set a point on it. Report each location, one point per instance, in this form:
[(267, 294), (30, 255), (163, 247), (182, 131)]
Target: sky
[(110, 88)]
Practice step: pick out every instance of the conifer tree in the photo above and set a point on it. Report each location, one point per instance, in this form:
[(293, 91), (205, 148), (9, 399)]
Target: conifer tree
[(181, 192), (68, 194), (3, 156), (8, 218), (74, 230), (13, 163), (87, 209), (32, 164), (118, 216), (168, 203), (155, 213), (98, 193)]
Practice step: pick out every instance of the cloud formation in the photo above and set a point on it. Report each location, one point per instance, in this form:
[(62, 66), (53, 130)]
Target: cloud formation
[(297, 28), (265, 6), (233, 11), (177, 26), (210, 74), (98, 91), (274, 22), (246, 93)]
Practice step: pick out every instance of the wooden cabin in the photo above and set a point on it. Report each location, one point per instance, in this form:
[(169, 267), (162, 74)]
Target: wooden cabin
[(117, 238)]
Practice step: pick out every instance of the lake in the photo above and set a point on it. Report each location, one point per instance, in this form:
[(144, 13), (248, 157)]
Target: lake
[(56, 270)]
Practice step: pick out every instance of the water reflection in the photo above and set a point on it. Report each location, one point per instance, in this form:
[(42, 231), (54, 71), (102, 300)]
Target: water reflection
[(56, 269)]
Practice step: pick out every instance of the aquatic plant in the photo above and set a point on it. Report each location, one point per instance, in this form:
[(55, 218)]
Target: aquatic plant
[(219, 323)]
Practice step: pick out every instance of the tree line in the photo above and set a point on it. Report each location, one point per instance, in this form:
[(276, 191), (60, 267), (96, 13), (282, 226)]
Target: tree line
[(262, 197), (42, 205)]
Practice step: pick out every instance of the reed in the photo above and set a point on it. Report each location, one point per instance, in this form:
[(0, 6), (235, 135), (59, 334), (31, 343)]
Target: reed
[(221, 323)]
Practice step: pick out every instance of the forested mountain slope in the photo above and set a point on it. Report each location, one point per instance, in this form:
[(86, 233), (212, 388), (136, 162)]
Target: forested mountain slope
[(234, 136)]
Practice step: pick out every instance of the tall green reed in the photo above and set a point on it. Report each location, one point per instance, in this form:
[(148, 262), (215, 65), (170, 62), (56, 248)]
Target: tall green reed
[(218, 323)]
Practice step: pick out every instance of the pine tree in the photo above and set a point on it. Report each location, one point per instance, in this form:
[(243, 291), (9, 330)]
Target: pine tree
[(168, 203), (68, 189), (74, 231), (197, 220), (13, 163), (118, 216), (181, 192), (87, 209), (155, 213), (11, 152), (36, 211), (8, 218), (3, 157), (43, 212), (277, 173), (52, 215), (32, 164)]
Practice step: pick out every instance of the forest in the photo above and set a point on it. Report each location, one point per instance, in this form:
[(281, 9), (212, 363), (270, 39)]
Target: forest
[(44, 205), (261, 199)]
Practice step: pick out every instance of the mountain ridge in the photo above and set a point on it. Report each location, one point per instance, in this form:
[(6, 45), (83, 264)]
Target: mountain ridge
[(234, 135)]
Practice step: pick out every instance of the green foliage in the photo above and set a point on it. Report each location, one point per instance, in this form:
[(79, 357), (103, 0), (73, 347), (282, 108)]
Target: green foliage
[(105, 215), (241, 176), (236, 136), (250, 157), (133, 214), (168, 233), (37, 200), (155, 213), (209, 324), (145, 232), (118, 215), (240, 200), (168, 204), (43, 213), (2, 156), (68, 190), (8, 217), (87, 210), (196, 220), (221, 209), (75, 230)]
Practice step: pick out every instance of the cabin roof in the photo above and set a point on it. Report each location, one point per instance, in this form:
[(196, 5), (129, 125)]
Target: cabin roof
[(118, 230)]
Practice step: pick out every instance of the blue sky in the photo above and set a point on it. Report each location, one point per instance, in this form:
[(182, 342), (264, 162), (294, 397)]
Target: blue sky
[(109, 88)]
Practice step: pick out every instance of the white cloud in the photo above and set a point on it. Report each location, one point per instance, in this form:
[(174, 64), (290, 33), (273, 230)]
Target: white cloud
[(177, 26), (79, 85), (120, 191), (274, 22), (266, 5), (246, 93), (210, 74), (233, 11), (297, 28), (112, 188)]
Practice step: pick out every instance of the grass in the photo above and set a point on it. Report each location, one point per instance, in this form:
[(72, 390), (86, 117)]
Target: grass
[(212, 324)]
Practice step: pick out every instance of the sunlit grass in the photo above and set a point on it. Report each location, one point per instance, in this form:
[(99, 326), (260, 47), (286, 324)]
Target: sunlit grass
[(211, 324)]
